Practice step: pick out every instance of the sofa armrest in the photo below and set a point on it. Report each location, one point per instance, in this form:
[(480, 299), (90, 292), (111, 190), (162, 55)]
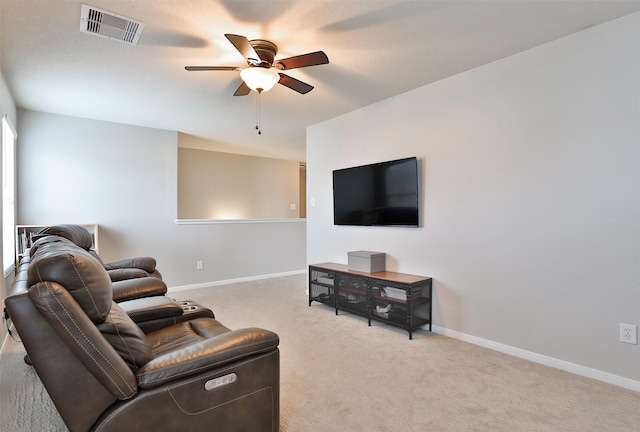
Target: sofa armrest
[(208, 354), (132, 289), (151, 308), (126, 273), (147, 264)]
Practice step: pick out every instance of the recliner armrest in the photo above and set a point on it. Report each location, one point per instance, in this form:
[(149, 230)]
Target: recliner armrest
[(126, 273), (209, 354), (151, 308), (147, 264), (117, 275), (132, 289)]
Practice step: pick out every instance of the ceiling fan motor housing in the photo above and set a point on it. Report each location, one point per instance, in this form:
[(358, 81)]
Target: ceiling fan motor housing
[(265, 49)]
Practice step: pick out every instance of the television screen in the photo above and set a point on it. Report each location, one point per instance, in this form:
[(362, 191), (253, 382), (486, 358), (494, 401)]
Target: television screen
[(381, 194)]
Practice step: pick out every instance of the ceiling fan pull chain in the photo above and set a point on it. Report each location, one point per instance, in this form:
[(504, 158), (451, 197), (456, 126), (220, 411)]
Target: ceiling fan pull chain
[(258, 114)]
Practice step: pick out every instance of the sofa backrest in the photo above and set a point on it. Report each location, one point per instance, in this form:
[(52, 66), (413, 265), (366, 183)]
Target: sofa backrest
[(73, 292), (77, 234), (55, 260)]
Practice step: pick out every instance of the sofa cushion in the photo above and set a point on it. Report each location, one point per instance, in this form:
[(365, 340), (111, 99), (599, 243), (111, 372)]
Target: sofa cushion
[(195, 346), (126, 337)]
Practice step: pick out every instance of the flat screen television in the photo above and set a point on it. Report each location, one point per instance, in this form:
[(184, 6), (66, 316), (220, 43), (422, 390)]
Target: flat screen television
[(380, 194)]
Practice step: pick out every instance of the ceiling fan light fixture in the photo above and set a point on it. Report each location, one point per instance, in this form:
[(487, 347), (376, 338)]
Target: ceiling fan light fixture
[(260, 79)]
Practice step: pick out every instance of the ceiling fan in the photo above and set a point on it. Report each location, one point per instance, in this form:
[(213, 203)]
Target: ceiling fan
[(263, 72)]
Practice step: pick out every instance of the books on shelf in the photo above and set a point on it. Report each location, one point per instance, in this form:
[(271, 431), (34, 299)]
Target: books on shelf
[(325, 280), (394, 293), (25, 239)]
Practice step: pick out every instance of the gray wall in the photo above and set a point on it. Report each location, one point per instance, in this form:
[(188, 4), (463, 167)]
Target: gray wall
[(531, 196), (124, 178)]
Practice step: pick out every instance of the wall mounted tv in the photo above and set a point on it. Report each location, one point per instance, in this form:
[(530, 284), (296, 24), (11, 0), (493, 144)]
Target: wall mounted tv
[(380, 194)]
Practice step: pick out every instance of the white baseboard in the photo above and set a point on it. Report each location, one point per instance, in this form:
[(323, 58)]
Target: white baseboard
[(541, 359), (232, 281), (486, 343)]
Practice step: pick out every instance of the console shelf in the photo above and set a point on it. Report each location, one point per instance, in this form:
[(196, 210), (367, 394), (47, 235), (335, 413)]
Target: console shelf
[(394, 298)]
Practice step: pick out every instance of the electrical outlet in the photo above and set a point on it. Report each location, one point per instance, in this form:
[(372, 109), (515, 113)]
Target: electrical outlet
[(199, 265), (629, 334)]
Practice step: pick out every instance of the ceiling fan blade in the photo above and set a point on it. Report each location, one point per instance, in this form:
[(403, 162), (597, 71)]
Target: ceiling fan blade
[(243, 90), (304, 60), (245, 48), (294, 84), (212, 68)]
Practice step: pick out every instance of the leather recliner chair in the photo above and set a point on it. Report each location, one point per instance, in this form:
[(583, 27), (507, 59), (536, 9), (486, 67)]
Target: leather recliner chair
[(103, 373)]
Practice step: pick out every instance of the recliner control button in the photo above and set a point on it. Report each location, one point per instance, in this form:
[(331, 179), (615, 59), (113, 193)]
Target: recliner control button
[(220, 381)]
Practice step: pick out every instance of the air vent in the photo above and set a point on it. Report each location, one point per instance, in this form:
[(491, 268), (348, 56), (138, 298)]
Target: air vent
[(109, 25)]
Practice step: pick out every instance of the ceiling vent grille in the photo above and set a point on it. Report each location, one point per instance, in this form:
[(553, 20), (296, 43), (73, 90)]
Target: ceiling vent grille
[(109, 25)]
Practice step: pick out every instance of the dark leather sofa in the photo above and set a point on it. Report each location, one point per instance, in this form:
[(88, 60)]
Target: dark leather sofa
[(104, 373)]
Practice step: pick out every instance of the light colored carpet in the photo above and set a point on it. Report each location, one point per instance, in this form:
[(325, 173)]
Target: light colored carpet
[(338, 374)]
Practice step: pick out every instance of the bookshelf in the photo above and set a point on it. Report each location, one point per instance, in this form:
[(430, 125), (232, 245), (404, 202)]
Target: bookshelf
[(25, 233)]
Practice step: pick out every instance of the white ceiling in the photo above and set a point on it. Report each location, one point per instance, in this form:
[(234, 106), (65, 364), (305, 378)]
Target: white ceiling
[(377, 49)]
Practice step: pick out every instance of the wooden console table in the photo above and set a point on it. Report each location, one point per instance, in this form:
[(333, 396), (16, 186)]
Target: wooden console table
[(395, 298)]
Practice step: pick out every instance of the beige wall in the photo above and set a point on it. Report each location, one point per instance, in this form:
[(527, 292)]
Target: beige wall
[(219, 186)]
